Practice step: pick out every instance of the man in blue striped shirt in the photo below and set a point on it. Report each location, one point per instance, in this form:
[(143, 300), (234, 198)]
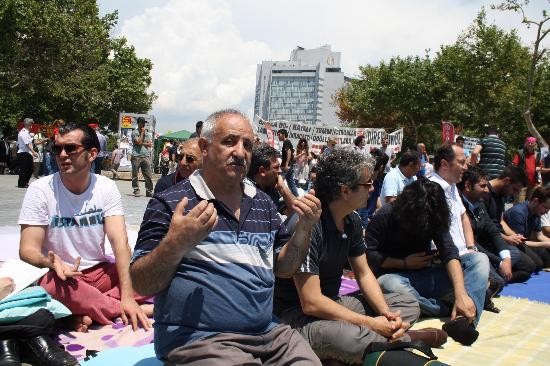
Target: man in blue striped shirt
[(209, 248)]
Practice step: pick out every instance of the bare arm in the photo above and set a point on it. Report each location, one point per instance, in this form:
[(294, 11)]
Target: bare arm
[(115, 228), (152, 273), (141, 137), (463, 303), (475, 153), (294, 251), (541, 240), (315, 304), (287, 195), (30, 251), (468, 232)]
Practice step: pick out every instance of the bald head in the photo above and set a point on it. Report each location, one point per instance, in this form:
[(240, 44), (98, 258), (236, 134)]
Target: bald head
[(189, 157)]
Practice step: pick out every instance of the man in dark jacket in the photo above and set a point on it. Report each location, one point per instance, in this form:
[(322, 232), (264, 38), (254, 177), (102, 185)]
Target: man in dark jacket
[(506, 260)]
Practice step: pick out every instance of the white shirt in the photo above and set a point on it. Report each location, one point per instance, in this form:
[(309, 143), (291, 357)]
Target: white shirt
[(456, 210), (74, 222), (545, 220), (23, 140)]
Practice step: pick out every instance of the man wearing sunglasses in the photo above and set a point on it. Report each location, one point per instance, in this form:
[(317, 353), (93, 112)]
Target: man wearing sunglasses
[(64, 219), (189, 159), (341, 327)]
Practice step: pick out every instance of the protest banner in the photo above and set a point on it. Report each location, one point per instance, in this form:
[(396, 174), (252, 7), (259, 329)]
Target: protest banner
[(317, 136)]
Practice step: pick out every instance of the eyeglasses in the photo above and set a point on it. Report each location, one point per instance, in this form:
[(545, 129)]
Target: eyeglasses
[(189, 159), (70, 149), (370, 183)]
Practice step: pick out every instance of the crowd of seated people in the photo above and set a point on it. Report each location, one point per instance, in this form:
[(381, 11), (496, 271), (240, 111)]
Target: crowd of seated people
[(236, 282)]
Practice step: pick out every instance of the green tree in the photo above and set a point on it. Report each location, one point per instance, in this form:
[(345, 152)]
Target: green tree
[(57, 60), (538, 55), (399, 93)]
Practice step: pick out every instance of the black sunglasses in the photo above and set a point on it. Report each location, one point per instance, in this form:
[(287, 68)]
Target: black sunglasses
[(189, 159), (69, 149)]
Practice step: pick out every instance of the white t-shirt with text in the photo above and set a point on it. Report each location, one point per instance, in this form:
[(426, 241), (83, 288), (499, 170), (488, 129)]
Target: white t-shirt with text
[(74, 222)]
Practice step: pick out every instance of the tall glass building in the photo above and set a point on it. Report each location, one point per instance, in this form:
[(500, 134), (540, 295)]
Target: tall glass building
[(301, 89)]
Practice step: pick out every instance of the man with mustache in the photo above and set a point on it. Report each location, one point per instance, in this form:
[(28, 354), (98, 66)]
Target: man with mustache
[(209, 248)]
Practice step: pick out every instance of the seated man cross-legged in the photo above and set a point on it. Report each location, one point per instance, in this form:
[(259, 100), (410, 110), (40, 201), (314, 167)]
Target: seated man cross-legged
[(64, 219), (341, 327), (209, 249)]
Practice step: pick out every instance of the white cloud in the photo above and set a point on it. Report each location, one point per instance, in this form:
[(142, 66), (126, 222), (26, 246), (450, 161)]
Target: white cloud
[(205, 52), (201, 63)]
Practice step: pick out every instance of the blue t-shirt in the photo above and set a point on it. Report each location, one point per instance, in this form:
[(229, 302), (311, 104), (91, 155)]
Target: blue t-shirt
[(521, 220), (225, 283)]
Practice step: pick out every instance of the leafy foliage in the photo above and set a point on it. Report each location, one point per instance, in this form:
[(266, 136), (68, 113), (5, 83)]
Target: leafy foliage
[(479, 80), (57, 60)]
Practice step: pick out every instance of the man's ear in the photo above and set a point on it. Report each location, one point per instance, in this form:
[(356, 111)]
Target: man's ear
[(93, 153), (203, 145), (261, 171)]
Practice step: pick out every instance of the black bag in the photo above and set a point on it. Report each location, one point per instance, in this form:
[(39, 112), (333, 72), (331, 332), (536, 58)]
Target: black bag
[(396, 353)]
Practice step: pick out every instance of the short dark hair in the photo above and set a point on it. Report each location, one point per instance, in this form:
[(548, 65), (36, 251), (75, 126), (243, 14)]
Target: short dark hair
[(542, 194), (198, 124), (491, 130), (358, 140), (89, 140), (409, 156), (421, 210), (473, 175), (460, 138), (380, 157), (141, 120), (261, 156), (515, 174), (340, 167), (444, 152), (283, 132)]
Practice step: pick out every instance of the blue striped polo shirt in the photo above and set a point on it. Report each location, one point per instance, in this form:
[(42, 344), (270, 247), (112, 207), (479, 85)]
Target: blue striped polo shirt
[(225, 283)]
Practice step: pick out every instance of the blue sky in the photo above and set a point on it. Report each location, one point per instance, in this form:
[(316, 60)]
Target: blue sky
[(205, 52)]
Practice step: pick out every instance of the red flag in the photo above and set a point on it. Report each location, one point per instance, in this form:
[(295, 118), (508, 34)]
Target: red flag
[(447, 132), (270, 135)]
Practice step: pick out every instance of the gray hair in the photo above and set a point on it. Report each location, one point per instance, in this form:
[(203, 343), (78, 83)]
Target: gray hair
[(28, 121), (212, 120), (340, 167)]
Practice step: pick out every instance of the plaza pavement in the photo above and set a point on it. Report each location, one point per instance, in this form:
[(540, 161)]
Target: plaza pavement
[(11, 198)]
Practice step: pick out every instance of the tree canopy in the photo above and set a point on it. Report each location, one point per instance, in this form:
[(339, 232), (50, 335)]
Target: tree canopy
[(479, 80), (58, 60)]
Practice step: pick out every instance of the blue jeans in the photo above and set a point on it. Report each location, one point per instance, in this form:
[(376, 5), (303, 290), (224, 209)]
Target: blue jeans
[(433, 289), (289, 176)]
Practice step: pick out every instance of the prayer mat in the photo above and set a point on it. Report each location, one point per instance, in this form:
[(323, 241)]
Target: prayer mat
[(518, 335)]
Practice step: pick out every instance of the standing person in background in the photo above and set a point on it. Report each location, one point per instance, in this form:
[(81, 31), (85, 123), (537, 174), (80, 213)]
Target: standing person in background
[(460, 140), (301, 163), (38, 143), (287, 157), (545, 169), (331, 144), (198, 130), (360, 143), (389, 152), (25, 154), (528, 159), (115, 161), (4, 154), (98, 162), (490, 150), (424, 159), (142, 142)]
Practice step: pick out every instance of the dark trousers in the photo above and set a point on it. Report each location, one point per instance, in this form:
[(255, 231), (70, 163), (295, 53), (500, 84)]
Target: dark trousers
[(38, 324), (26, 167)]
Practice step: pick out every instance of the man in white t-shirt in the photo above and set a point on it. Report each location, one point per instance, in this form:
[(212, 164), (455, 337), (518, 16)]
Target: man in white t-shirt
[(64, 219), (25, 154)]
